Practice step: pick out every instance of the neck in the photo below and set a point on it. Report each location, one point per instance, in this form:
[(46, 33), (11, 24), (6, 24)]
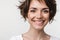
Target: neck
[(36, 33)]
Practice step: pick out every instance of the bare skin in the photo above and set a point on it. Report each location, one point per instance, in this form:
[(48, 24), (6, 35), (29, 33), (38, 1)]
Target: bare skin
[(34, 35), (39, 13)]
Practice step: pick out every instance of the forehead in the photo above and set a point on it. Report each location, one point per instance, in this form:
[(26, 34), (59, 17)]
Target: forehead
[(38, 4)]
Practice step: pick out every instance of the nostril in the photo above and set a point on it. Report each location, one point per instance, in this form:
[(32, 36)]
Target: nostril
[(39, 16)]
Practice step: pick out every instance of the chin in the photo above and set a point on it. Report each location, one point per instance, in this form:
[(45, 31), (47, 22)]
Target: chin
[(38, 27)]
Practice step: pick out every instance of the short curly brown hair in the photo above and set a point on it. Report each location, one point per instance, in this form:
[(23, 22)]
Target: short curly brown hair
[(24, 7)]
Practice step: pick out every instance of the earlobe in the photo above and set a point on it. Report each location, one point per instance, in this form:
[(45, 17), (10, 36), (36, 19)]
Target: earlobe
[(26, 19)]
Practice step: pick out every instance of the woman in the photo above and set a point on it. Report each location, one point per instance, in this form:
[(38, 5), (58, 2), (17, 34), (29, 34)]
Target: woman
[(38, 13)]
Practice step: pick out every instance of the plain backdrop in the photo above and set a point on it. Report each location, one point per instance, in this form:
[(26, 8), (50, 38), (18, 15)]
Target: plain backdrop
[(12, 23)]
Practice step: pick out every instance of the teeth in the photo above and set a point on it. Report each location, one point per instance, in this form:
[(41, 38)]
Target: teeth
[(39, 22)]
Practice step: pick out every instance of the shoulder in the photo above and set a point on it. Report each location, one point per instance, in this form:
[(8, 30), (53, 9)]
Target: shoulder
[(54, 38), (19, 37)]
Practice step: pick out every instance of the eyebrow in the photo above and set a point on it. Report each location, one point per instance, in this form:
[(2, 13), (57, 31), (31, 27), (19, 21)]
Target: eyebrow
[(36, 8), (33, 8), (45, 8)]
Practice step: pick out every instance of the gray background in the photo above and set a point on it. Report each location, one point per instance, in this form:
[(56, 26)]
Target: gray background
[(12, 23)]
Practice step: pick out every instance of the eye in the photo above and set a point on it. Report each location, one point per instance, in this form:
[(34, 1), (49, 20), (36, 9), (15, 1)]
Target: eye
[(32, 11), (46, 11)]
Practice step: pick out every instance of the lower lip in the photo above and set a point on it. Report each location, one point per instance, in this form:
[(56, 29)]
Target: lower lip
[(38, 23)]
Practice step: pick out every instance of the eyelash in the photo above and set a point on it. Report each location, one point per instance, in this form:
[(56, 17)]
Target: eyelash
[(45, 11), (32, 11)]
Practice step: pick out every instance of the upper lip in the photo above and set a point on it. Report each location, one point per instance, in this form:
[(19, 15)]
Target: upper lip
[(38, 20)]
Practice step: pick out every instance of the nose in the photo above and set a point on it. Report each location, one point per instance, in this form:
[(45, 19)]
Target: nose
[(39, 15)]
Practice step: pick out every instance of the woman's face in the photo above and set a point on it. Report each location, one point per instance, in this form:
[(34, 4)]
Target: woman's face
[(38, 14)]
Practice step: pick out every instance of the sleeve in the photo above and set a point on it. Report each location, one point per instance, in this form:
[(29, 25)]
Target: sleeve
[(13, 38), (54, 38), (19, 37)]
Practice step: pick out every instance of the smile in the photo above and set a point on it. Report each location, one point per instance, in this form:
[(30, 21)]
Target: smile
[(39, 22)]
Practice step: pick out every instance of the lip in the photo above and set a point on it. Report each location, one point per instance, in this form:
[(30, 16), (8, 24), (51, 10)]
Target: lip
[(39, 22)]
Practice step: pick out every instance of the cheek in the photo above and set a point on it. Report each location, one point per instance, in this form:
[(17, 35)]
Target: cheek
[(46, 16), (30, 16)]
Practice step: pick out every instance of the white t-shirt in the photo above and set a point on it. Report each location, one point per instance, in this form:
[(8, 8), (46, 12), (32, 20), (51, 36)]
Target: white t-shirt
[(21, 38)]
